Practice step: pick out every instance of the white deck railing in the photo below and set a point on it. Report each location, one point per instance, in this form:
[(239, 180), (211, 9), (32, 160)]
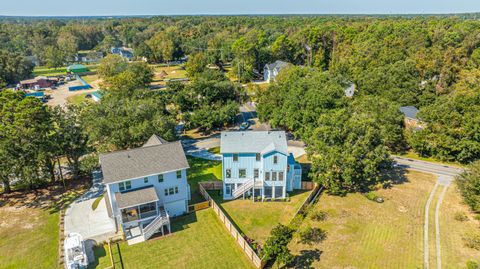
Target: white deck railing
[(157, 223)]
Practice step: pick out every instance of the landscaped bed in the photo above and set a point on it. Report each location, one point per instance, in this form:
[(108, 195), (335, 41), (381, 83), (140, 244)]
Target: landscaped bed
[(198, 240), (256, 219)]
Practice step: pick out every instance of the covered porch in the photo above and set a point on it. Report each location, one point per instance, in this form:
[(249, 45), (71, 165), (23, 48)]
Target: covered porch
[(141, 214)]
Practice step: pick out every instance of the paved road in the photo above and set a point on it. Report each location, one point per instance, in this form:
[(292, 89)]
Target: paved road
[(428, 167)]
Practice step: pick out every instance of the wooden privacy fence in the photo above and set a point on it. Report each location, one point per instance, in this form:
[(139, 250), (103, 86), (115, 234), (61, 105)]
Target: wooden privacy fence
[(198, 206), (307, 185), (247, 249)]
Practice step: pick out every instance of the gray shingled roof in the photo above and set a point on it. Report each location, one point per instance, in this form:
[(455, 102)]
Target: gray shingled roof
[(277, 64), (155, 140), (253, 142), (136, 197), (144, 161), (409, 112)]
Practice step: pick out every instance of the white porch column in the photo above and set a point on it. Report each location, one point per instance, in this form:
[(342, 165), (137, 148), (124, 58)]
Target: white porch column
[(273, 191)]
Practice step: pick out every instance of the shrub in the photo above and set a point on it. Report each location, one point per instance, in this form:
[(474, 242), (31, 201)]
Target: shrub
[(276, 246), (469, 184), (460, 216), (88, 164), (472, 241), (312, 235), (319, 216), (472, 265), (372, 196)]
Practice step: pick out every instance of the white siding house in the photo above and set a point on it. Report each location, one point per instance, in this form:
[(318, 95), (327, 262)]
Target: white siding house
[(257, 164), (271, 71), (146, 186)]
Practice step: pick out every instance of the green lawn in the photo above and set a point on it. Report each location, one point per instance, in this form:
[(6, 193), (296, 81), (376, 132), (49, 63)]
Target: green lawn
[(28, 238), (202, 170), (365, 234), (45, 71), (256, 219), (199, 240), (77, 99), (215, 150)]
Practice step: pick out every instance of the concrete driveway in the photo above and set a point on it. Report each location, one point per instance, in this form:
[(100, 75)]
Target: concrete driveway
[(91, 224)]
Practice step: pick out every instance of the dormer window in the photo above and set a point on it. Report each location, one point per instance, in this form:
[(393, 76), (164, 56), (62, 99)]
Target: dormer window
[(275, 159)]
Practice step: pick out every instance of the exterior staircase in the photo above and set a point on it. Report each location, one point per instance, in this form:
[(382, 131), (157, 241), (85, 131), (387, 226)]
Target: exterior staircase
[(243, 188), (156, 224)]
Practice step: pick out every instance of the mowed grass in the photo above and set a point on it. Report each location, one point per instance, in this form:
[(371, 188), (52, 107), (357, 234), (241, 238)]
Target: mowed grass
[(173, 72), (365, 234), (454, 252), (199, 240), (28, 238), (256, 219), (45, 71), (78, 99), (202, 170)]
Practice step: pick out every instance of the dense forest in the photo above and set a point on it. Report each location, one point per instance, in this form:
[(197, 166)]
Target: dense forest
[(432, 63)]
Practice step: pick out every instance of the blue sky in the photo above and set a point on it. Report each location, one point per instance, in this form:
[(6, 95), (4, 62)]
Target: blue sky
[(175, 7)]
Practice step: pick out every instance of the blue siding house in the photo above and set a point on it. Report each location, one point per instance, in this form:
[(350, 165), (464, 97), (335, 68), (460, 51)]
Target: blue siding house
[(257, 164), (145, 187)]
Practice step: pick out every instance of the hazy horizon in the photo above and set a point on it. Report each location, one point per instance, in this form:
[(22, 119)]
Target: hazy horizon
[(105, 8)]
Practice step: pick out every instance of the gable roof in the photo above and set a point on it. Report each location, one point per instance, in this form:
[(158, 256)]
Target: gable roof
[(155, 140), (276, 65), (253, 142), (409, 112), (145, 161)]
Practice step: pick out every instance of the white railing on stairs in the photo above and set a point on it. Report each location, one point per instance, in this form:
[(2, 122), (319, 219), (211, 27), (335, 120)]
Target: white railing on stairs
[(243, 188), (157, 223)]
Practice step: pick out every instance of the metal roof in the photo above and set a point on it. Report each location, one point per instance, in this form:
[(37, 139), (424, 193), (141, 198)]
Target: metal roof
[(409, 112), (253, 142), (136, 197), (145, 161)]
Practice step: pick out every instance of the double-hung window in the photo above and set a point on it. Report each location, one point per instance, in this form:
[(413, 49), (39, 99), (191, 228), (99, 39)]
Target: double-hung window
[(179, 174), (280, 176), (145, 180), (255, 173), (242, 173), (160, 178), (228, 173), (275, 159), (267, 176), (274, 176), (126, 185)]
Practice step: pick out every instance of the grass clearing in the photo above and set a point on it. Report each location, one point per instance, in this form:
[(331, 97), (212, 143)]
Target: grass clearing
[(256, 219), (29, 225), (387, 235), (199, 240), (202, 170), (454, 252), (28, 238), (78, 99), (172, 72)]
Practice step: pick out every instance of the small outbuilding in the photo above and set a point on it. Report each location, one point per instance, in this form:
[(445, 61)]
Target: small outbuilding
[(39, 82), (411, 119), (77, 68)]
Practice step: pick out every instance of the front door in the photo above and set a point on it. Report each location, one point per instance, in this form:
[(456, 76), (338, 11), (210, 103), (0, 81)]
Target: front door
[(228, 189)]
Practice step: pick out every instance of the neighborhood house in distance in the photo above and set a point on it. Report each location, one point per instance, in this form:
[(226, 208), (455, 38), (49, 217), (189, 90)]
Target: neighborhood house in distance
[(145, 187), (257, 164), (271, 71)]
